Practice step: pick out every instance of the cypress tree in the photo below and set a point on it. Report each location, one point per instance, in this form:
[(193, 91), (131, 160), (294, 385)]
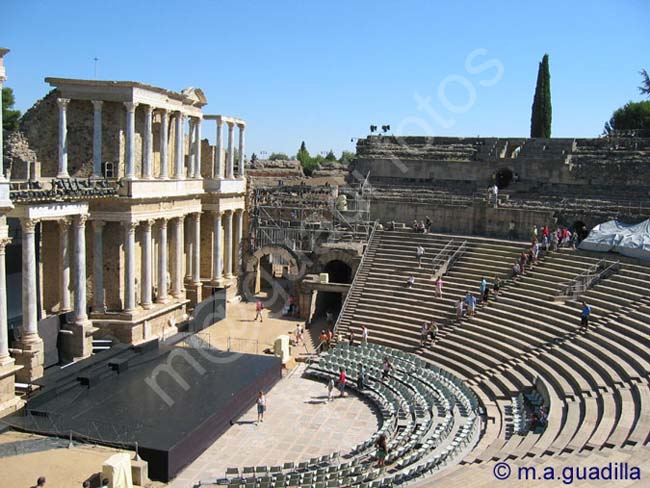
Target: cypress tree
[(540, 121)]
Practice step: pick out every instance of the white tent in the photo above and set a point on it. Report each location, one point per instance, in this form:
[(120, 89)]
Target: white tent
[(631, 240)]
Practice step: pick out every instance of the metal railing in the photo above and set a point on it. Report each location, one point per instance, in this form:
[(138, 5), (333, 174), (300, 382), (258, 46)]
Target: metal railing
[(446, 258), (236, 344), (356, 277), (588, 279)]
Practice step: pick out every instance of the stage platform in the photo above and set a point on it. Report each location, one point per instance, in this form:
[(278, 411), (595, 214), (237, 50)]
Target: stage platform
[(173, 399)]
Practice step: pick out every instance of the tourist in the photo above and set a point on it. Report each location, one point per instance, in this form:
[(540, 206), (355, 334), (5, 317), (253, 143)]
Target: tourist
[(495, 194), (423, 333), (496, 286), (470, 301), (485, 295), (364, 335), (342, 381), (482, 287), (410, 282), (329, 317), (535, 252), (298, 334), (259, 306), (323, 338), (261, 406), (584, 316), (439, 285), (545, 242), (382, 451), (415, 225), (330, 389), (460, 309), (533, 233), (40, 482), (511, 231), (433, 332), (575, 239), (361, 378), (427, 225), (330, 337), (292, 304), (386, 368), (419, 252), (351, 338), (555, 241), (516, 270)]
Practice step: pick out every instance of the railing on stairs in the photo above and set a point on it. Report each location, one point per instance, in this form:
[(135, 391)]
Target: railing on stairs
[(355, 280), (446, 258), (587, 279)]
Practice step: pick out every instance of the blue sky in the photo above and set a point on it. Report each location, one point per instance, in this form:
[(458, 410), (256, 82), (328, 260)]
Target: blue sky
[(324, 71)]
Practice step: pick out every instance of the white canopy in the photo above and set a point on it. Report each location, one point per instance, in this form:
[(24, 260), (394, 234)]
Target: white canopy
[(627, 239)]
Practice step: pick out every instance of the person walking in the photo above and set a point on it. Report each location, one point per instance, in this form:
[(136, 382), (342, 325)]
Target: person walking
[(261, 406), (386, 367), (433, 332), (496, 286), (342, 381), (584, 316), (470, 301), (439, 285), (259, 306), (460, 309), (361, 379), (423, 333), (419, 253), (330, 389), (364, 335), (382, 451)]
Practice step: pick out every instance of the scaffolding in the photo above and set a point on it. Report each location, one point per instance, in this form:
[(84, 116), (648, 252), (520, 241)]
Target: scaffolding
[(301, 217)]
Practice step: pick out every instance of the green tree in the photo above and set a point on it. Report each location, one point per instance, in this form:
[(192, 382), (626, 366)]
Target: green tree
[(253, 157), (632, 116), (303, 155), (645, 84), (540, 120), (9, 117), (347, 157), (278, 156), (330, 156)]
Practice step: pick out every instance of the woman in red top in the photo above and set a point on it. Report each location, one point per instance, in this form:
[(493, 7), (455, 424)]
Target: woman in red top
[(342, 380)]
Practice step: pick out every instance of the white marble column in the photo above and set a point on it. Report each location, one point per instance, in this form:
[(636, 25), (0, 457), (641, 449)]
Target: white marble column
[(196, 256), (4, 336), (147, 264), (164, 146), (238, 241), (162, 262), (129, 171), (177, 243), (63, 137), (97, 138), (189, 249), (80, 304), (197, 149), (147, 150), (218, 170), (227, 258), (129, 271), (2, 80), (99, 305), (230, 170), (30, 312), (180, 153), (64, 255), (192, 155), (242, 171), (217, 251)]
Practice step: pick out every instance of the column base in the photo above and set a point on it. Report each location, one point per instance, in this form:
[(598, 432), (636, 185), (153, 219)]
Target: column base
[(147, 306), (63, 175), (31, 356), (79, 344), (162, 300), (195, 293), (9, 402)]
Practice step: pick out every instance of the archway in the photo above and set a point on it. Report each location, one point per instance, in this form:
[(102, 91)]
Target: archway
[(271, 270), (328, 301), (503, 177), (581, 228), (338, 271)]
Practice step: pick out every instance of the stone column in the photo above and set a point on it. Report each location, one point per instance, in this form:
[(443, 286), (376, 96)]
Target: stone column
[(162, 263), (238, 241), (129, 266), (230, 170), (99, 305), (164, 146), (80, 315), (63, 137), (146, 265), (217, 252), (177, 242), (31, 345), (4, 336), (196, 266), (64, 254), (129, 171), (147, 149), (227, 258), (192, 154), (218, 171), (241, 162), (189, 249), (197, 149), (178, 168), (97, 138)]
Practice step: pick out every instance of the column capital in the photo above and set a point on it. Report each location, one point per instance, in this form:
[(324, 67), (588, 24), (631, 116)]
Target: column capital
[(163, 222), (130, 226), (163, 111), (231, 125), (80, 220), (63, 102), (3, 244), (130, 106), (148, 109), (242, 126), (147, 223), (98, 225), (217, 213), (64, 224), (97, 104), (228, 213), (28, 225)]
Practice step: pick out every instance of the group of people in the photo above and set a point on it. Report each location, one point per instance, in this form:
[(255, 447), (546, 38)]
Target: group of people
[(554, 240), (428, 333), (422, 226)]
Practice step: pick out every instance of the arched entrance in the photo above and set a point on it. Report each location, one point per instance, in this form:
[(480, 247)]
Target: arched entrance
[(328, 301), (270, 269), (503, 177)]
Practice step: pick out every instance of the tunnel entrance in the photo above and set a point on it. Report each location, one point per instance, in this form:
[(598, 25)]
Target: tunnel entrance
[(503, 178), (327, 301)]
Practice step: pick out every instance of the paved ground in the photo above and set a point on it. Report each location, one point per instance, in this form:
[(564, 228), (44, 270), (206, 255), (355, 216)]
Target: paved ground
[(298, 425)]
